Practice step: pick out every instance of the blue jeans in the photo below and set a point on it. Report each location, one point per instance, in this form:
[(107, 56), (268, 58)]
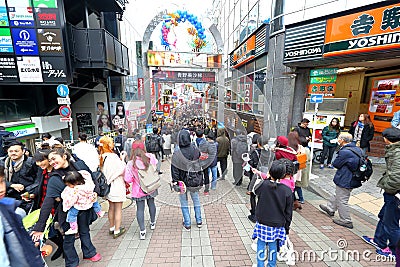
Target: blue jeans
[(88, 250), (72, 214), (185, 207), (213, 171), (272, 250), (388, 225)]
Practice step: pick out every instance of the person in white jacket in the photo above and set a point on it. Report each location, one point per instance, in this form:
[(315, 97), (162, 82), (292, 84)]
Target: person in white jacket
[(167, 143), (86, 152)]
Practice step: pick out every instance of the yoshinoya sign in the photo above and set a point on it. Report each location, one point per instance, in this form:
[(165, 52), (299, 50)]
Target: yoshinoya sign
[(304, 42), (367, 31)]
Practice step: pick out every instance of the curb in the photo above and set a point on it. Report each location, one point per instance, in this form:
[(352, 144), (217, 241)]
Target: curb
[(318, 190)]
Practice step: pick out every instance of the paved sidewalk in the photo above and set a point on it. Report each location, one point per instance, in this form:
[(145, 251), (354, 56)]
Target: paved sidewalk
[(225, 237)]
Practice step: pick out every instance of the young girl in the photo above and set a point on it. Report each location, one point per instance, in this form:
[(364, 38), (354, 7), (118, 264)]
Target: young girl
[(78, 195), (273, 214)]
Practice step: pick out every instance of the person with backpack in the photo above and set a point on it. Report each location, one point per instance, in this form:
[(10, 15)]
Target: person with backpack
[(154, 145), (213, 167), (119, 142), (239, 147), (186, 168), (387, 233), (224, 146), (346, 163), (20, 174), (62, 163), (141, 161)]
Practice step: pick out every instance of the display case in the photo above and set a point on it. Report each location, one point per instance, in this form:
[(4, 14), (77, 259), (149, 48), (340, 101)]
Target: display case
[(385, 100)]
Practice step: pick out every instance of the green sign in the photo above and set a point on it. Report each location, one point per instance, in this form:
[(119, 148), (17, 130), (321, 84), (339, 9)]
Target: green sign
[(45, 3), (22, 130), (323, 72), (323, 79)]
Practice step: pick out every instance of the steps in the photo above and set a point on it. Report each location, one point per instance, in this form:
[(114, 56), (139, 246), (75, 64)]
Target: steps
[(377, 146)]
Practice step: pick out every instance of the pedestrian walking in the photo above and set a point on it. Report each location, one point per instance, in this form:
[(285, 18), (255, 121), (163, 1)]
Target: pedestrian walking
[(387, 232), (154, 144), (113, 168), (141, 160), (330, 134), (167, 146), (223, 151), (346, 163), (238, 148)]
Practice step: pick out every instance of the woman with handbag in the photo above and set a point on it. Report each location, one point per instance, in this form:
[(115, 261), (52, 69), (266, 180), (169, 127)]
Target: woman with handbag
[(141, 161), (113, 168)]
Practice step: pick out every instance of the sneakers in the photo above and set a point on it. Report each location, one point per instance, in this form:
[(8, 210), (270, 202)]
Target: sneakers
[(370, 241), (142, 235), (71, 231), (325, 208), (95, 258), (152, 225), (122, 231), (385, 252), (199, 224), (187, 228), (330, 166), (344, 224), (321, 166)]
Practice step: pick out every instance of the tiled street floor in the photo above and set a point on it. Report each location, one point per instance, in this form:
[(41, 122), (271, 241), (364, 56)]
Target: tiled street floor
[(225, 236)]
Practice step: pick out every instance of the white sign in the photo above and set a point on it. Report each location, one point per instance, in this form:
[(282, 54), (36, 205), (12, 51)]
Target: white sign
[(64, 101), (67, 119), (29, 69)]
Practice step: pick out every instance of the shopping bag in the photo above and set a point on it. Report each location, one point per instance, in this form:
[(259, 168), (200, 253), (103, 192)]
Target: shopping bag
[(287, 253)]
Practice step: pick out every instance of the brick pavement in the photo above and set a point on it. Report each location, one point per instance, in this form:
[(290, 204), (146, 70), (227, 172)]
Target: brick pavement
[(225, 238)]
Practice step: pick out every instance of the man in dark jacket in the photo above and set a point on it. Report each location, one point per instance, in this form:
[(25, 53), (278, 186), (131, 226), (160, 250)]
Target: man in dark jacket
[(20, 175), (388, 226), (346, 163), (154, 144), (224, 147), (239, 146), (304, 132), (184, 160)]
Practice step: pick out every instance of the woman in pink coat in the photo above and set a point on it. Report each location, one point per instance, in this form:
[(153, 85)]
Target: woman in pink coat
[(142, 161)]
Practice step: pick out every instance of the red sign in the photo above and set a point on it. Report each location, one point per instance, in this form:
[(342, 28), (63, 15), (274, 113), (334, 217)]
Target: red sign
[(166, 109), (140, 86), (64, 111)]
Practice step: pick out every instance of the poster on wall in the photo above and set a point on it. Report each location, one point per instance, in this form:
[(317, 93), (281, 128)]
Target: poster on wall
[(6, 45), (8, 70), (50, 41), (47, 17), (3, 14), (54, 69), (45, 3), (21, 13), (25, 42), (103, 121), (84, 122), (29, 69)]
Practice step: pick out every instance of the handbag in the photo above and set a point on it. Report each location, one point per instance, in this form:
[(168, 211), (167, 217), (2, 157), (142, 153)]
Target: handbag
[(287, 253)]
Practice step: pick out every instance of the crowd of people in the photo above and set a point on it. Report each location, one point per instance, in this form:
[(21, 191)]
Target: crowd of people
[(60, 182)]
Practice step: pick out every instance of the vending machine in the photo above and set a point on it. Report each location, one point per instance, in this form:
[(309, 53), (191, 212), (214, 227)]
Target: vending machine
[(385, 101)]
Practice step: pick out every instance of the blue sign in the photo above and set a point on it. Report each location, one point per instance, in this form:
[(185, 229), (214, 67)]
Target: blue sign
[(316, 98), (62, 90), (159, 112), (25, 42), (149, 128)]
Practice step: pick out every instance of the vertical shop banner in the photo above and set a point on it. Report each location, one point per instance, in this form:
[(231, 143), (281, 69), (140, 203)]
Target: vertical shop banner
[(45, 3), (8, 69), (140, 86), (54, 69), (29, 69), (6, 45), (25, 42), (21, 13), (3, 14), (47, 17), (50, 42)]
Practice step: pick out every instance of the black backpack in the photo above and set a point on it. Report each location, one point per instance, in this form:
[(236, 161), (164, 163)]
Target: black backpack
[(100, 182), (194, 176), (153, 143), (6, 138), (364, 169)]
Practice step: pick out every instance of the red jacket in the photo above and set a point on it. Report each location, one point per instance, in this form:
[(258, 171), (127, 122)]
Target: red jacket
[(287, 152)]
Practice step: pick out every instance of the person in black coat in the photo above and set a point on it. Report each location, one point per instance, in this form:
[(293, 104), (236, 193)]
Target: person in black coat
[(304, 132), (362, 131)]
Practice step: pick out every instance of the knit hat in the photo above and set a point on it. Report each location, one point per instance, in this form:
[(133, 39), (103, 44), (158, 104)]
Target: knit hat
[(392, 134), (138, 145), (282, 140)]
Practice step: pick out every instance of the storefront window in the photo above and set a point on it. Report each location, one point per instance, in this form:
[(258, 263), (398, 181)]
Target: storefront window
[(244, 8), (277, 20)]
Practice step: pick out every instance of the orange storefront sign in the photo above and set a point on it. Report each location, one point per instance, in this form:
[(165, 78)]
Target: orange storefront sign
[(245, 52), (371, 30), (327, 89)]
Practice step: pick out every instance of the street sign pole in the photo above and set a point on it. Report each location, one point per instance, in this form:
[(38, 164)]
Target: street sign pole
[(314, 124)]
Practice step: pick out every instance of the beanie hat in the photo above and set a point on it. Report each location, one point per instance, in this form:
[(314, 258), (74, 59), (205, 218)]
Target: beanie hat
[(282, 140), (392, 134)]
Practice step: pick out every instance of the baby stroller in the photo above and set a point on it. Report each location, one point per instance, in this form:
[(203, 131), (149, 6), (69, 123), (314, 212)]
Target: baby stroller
[(29, 222)]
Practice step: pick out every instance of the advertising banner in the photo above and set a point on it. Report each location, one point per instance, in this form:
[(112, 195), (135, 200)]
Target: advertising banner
[(181, 59), (21, 13), (140, 86), (25, 42), (244, 53), (47, 17), (8, 69), (54, 69), (371, 30), (50, 41), (3, 14), (29, 69), (45, 3), (183, 76), (6, 45), (328, 90)]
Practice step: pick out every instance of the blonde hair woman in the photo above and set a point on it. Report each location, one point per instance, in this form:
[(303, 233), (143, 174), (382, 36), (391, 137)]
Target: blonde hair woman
[(113, 168)]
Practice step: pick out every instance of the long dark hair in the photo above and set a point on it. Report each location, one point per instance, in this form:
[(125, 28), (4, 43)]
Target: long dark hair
[(73, 178), (120, 104), (140, 153), (61, 152), (336, 127), (367, 119), (294, 140)]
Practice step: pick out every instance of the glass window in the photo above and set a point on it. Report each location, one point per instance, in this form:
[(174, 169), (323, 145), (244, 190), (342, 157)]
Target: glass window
[(252, 20), (244, 9), (243, 30), (264, 11), (277, 20)]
